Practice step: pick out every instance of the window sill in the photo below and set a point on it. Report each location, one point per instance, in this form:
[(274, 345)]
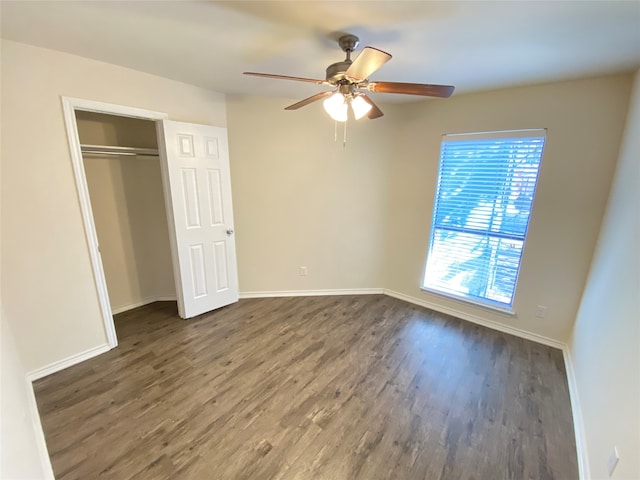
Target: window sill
[(493, 308)]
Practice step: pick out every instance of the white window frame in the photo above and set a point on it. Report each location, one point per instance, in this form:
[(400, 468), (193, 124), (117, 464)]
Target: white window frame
[(500, 307)]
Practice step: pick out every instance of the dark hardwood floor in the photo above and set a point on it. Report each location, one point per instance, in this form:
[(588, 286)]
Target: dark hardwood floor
[(331, 388)]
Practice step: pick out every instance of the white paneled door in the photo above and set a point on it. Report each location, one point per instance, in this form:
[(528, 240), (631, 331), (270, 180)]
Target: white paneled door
[(195, 170)]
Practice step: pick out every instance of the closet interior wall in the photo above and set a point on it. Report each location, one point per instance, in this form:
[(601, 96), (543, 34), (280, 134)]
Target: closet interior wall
[(128, 207)]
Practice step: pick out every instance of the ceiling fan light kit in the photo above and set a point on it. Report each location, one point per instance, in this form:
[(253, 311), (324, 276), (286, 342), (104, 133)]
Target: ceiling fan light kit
[(359, 106), (350, 77), (337, 106)]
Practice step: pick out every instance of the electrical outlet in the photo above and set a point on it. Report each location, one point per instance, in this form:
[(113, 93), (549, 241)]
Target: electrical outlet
[(612, 463), (303, 271), (541, 311)]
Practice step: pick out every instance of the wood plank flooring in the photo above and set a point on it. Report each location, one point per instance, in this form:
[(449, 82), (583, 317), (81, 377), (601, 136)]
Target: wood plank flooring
[(331, 388)]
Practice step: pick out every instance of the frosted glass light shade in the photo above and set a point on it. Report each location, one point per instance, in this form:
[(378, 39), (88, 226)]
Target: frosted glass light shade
[(336, 107), (360, 107)]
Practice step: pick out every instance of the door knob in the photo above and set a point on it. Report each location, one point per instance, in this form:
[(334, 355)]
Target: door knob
[(229, 231)]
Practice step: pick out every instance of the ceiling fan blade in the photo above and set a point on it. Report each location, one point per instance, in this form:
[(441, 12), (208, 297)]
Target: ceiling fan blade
[(369, 60), (426, 90), (375, 112), (311, 99), (285, 77)]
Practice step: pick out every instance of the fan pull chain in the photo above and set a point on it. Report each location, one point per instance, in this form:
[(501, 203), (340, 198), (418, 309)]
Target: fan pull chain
[(344, 140), (344, 133)]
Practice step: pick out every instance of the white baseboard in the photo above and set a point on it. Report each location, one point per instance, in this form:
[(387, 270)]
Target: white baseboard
[(312, 293), (166, 298), (141, 303), (578, 421), (43, 452), (478, 320), (67, 362)]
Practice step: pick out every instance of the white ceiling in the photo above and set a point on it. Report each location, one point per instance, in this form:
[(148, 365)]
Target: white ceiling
[(478, 45)]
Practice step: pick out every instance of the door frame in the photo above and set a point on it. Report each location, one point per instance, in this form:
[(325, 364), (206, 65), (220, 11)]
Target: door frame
[(70, 106)]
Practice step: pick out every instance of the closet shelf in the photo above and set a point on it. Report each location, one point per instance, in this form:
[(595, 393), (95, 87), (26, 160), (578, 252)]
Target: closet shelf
[(109, 150)]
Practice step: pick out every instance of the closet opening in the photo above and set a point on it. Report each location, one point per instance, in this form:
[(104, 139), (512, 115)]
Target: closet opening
[(124, 182)]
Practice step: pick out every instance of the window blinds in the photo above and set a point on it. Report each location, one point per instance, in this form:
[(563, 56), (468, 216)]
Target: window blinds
[(486, 184)]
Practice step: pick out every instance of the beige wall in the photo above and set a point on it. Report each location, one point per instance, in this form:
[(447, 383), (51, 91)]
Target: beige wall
[(585, 120), (22, 447), (301, 199), (605, 346), (128, 209), (48, 290)]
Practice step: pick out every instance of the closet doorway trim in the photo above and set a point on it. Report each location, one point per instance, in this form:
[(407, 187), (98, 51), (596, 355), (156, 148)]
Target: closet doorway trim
[(70, 106)]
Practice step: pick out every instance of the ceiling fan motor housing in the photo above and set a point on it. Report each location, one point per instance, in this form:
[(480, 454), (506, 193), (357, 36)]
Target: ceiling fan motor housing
[(336, 71)]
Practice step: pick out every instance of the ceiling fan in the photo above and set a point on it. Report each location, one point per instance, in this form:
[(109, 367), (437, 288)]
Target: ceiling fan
[(349, 77)]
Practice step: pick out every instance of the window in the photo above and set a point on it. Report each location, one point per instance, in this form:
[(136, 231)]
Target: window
[(486, 184)]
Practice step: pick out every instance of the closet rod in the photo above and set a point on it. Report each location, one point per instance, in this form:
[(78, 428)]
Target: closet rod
[(109, 150)]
